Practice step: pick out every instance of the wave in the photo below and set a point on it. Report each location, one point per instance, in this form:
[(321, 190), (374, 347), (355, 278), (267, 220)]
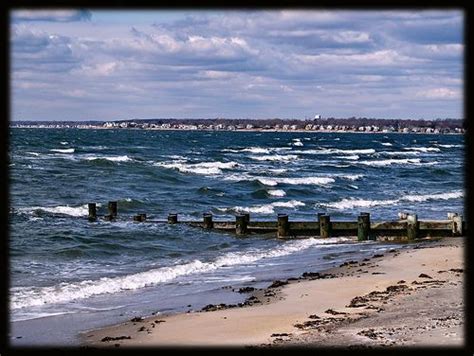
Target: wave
[(386, 144), (22, 297), (398, 153), (440, 196), (349, 176), (276, 192), (329, 151), (275, 158), (263, 209), (124, 158), (351, 157), (448, 146), (422, 149), (77, 211), (295, 181), (63, 150), (277, 170), (306, 180), (350, 203), (256, 149), (267, 181), (63, 142), (389, 162), (204, 168)]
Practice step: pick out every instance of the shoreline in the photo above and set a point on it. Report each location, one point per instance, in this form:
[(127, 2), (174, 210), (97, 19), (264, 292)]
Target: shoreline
[(336, 307), (241, 130)]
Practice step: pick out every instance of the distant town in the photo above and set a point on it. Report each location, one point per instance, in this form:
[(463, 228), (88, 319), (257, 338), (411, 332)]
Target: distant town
[(318, 124)]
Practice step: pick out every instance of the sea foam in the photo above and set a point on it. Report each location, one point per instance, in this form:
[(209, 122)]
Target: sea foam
[(63, 150), (66, 292)]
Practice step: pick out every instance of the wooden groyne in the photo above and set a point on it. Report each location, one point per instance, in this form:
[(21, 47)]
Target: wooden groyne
[(407, 226)]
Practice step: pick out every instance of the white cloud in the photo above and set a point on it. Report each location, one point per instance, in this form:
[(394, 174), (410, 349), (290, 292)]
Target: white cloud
[(51, 15), (439, 93)]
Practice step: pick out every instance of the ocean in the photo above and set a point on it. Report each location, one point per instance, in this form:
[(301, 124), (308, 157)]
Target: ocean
[(68, 275)]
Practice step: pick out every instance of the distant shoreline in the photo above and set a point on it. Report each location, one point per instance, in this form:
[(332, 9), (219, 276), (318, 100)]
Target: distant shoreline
[(240, 130)]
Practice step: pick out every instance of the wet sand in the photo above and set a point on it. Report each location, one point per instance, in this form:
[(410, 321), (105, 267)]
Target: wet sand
[(409, 297)]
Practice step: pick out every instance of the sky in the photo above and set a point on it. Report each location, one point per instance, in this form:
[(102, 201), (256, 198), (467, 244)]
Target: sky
[(286, 63)]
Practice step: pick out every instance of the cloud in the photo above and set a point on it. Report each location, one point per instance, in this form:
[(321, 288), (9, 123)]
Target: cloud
[(439, 93), (241, 63), (51, 15)]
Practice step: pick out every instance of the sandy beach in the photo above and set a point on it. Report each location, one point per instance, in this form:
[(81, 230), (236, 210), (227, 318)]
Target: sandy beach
[(406, 297)]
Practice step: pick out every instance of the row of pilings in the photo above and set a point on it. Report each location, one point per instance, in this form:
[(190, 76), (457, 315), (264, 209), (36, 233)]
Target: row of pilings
[(407, 226)]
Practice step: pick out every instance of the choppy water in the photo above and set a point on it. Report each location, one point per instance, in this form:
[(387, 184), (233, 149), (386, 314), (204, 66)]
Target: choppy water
[(70, 270)]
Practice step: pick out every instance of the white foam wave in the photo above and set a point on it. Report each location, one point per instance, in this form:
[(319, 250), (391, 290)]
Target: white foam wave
[(264, 209), (276, 193), (422, 149), (386, 144), (351, 176), (205, 168), (267, 181), (61, 209), (306, 180), (63, 142), (275, 158), (66, 292), (448, 146), (124, 158), (298, 143), (329, 151), (398, 153), (389, 162), (277, 170), (351, 157), (440, 196), (63, 150), (350, 203)]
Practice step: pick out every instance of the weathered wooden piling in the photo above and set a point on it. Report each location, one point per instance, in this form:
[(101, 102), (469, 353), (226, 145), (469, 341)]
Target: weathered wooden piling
[(172, 218), (363, 226), (283, 226), (247, 217), (457, 225), (207, 221), (241, 224), (413, 226), (140, 217), (324, 226), (319, 216), (112, 209), (92, 211)]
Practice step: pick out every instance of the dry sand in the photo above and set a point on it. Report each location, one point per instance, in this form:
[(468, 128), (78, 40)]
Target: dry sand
[(405, 297)]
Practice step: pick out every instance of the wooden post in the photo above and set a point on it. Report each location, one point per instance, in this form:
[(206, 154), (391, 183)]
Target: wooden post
[(207, 219), (247, 217), (324, 226), (283, 226), (240, 224), (112, 209), (92, 211), (139, 217), (319, 216), (363, 226), (457, 225), (412, 226), (172, 218)]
